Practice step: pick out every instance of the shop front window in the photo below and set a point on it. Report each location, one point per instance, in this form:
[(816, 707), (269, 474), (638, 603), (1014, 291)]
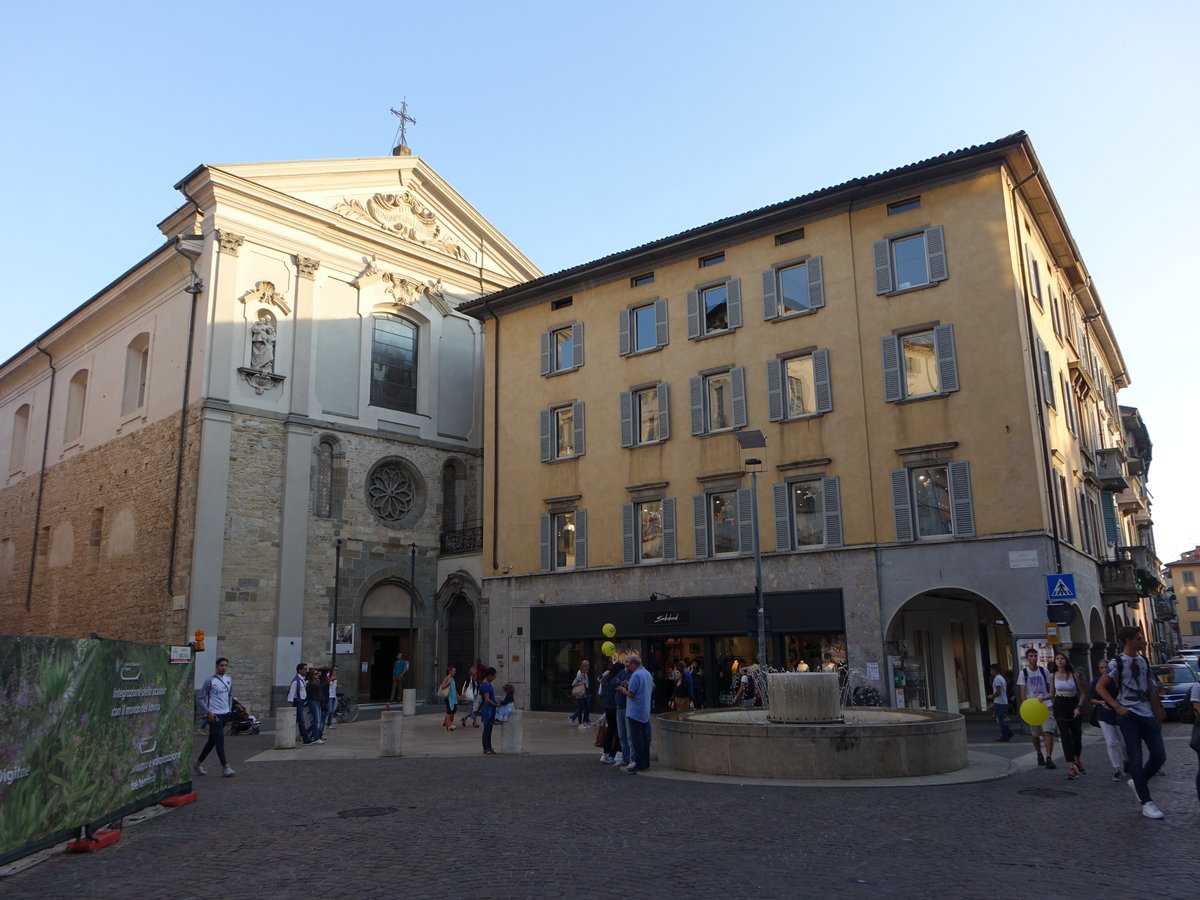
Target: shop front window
[(815, 652)]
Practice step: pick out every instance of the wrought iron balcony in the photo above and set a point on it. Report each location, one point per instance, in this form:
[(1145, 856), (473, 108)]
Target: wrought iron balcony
[(1110, 469), (463, 540), (1118, 582), (1164, 607)]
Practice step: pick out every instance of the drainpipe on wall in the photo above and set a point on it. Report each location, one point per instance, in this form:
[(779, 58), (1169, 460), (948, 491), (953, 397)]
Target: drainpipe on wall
[(495, 429), (37, 512), (1039, 400)]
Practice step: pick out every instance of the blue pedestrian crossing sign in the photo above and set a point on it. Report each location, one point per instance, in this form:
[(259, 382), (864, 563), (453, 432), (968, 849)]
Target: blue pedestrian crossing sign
[(1060, 586)]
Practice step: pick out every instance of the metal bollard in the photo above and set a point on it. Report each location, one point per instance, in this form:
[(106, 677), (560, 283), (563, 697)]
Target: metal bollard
[(285, 728), (391, 732)]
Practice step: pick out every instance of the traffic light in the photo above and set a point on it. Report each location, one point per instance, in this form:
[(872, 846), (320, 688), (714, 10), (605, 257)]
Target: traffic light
[(198, 642), (1146, 583)]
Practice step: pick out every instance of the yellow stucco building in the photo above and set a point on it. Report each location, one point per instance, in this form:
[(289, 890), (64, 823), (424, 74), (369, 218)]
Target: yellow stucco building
[(935, 378)]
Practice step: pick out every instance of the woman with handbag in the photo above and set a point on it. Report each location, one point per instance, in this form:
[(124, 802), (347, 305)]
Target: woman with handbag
[(1066, 694), (471, 699), (581, 690), (681, 697), (449, 695)]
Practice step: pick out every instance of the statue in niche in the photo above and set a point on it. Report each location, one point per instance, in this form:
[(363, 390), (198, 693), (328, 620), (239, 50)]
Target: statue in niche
[(262, 342)]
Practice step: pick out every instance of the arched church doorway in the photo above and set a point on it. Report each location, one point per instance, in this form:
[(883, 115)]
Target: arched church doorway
[(460, 633), (387, 628)]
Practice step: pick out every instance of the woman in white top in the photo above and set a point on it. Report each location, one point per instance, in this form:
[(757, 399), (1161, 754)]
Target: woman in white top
[(1066, 693), (1106, 717)]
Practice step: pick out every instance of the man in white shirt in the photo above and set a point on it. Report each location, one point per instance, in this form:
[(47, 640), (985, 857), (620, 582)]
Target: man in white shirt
[(298, 697), (1034, 681), (1000, 702), (216, 699)]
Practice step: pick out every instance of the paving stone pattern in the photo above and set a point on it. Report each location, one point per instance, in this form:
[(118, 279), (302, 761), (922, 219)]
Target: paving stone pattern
[(566, 826)]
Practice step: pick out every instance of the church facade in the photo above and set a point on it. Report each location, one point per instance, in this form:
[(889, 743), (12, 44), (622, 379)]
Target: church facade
[(269, 429)]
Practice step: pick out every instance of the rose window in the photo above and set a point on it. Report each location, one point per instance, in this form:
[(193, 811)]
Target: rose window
[(391, 492)]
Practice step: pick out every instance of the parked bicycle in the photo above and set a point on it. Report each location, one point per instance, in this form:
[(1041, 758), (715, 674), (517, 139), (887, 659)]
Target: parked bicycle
[(346, 710)]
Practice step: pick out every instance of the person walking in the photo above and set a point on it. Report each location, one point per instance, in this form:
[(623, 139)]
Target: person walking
[(332, 680), (216, 699), (449, 694), (1066, 693), (298, 697), (681, 691), (1194, 699), (1106, 719), (625, 757), (488, 693), (612, 738), (581, 690), (1130, 690), (1034, 682), (1000, 702), (317, 698), (637, 712), (399, 670)]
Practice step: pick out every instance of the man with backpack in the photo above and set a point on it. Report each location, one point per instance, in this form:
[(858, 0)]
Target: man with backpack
[(1034, 681), (1129, 689)]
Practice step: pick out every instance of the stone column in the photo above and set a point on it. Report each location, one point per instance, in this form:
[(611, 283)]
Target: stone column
[(391, 732), (227, 320), (293, 537), (303, 325), (208, 544), (285, 728)]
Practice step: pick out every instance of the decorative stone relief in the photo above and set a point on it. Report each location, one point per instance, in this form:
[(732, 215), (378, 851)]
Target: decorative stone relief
[(395, 494), (307, 267), (264, 292), (230, 243), (260, 374), (404, 215), (404, 291)]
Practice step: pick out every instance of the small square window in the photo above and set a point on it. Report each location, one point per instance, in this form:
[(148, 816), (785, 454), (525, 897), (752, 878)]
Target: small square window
[(639, 280), (713, 259), (787, 237), (562, 303), (904, 205)]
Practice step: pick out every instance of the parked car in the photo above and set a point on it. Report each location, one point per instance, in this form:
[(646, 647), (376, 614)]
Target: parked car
[(1174, 684), (1192, 662)]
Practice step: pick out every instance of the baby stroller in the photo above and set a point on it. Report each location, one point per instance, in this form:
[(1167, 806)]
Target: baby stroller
[(240, 721)]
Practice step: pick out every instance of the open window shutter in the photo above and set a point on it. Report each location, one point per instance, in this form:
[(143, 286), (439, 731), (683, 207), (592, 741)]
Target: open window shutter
[(696, 394), (700, 524), (783, 521), (737, 381), (733, 294), (901, 505), (947, 359), (745, 514), (547, 358), (661, 335), (1057, 511), (891, 368), (547, 446), (668, 526), (664, 412), (577, 344), (770, 303), (1108, 510), (546, 543), (821, 386), (816, 282), (577, 415), (1035, 287), (623, 342), (775, 390), (832, 490), (628, 527), (693, 311), (962, 508), (935, 253), (883, 268), (581, 559), (626, 418)]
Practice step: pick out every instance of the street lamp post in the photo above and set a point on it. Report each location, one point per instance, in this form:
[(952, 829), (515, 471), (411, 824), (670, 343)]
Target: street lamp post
[(748, 440), (337, 571), (412, 610)]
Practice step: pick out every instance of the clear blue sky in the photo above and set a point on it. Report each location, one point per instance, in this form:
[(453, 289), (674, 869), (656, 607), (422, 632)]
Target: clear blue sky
[(581, 129)]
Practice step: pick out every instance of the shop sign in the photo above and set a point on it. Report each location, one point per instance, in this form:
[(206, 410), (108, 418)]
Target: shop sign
[(667, 617)]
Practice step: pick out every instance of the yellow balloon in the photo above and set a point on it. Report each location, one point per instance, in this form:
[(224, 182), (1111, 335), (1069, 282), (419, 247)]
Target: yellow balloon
[(609, 648), (610, 630), (1034, 712)]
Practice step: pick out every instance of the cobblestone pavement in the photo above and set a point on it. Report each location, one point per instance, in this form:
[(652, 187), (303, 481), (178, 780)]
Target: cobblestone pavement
[(557, 823)]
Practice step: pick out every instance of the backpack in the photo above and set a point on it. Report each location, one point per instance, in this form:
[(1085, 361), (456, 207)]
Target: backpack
[(1120, 680)]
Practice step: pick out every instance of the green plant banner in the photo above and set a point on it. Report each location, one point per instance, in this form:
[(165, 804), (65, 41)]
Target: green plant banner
[(89, 730)]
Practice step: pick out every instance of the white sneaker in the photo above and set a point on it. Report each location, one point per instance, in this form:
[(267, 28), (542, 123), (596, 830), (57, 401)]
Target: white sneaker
[(227, 772), (197, 769), (1150, 811), (619, 761), (319, 741), (605, 758)]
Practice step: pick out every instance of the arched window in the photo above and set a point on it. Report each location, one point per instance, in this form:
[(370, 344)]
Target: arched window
[(394, 364), (323, 495), (76, 400), (20, 439), (137, 361)]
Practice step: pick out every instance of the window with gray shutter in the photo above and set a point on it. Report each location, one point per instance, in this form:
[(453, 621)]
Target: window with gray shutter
[(775, 407), (947, 359), (577, 345), (696, 395), (623, 339), (737, 383), (892, 383), (581, 558), (962, 510), (577, 412), (770, 301), (669, 542), (783, 516), (1108, 510), (882, 254), (661, 335), (832, 491), (902, 505), (547, 531), (693, 315), (700, 524), (821, 387), (547, 352), (628, 529), (746, 523), (664, 412), (935, 253), (547, 436), (816, 283), (627, 418), (733, 289)]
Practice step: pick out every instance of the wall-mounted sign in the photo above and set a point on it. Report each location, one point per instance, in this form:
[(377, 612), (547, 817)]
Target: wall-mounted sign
[(666, 617)]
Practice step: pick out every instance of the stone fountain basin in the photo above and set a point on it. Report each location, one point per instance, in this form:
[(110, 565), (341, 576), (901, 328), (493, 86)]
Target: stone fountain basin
[(870, 743)]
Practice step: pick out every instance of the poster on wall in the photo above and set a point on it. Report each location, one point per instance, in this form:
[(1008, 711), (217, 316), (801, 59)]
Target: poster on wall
[(343, 637), (90, 730)]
